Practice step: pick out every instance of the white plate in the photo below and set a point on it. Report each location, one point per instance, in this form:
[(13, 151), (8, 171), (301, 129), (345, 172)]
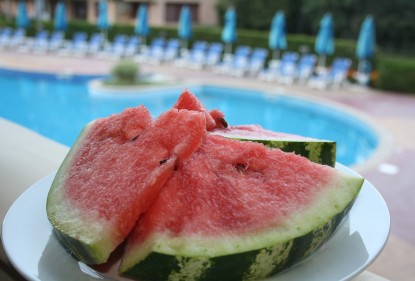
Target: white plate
[(37, 255)]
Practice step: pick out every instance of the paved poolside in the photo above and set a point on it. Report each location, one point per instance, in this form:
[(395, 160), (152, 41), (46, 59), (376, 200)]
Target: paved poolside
[(392, 114)]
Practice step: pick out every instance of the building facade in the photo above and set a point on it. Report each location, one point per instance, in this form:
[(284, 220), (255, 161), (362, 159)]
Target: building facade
[(160, 12)]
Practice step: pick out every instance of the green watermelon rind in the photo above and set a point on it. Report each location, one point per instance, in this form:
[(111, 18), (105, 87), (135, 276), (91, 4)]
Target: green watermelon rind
[(240, 259), (81, 247), (321, 152), (316, 150)]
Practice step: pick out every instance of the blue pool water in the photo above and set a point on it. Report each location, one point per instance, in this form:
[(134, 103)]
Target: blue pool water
[(58, 108)]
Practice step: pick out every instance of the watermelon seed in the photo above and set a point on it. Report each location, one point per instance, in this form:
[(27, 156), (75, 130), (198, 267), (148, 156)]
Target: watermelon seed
[(163, 161), (240, 167), (224, 123), (135, 138)]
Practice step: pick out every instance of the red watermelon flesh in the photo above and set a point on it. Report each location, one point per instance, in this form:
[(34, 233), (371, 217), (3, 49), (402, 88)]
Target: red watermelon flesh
[(214, 119), (230, 189), (115, 172), (219, 118)]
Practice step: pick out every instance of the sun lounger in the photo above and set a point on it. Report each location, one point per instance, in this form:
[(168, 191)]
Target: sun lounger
[(334, 77), (213, 55), (340, 71), (17, 38), (77, 46), (194, 57), (171, 51), (38, 45), (5, 37), (56, 41), (231, 63), (156, 49), (306, 67), (257, 61), (116, 49), (133, 46), (283, 70), (41, 42), (95, 43), (118, 46), (163, 51), (287, 70), (240, 61), (270, 72)]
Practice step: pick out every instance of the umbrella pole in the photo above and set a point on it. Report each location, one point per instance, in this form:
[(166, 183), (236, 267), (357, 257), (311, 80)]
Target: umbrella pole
[(322, 61), (105, 35), (363, 74), (276, 54), (228, 48), (39, 12), (360, 66), (9, 12)]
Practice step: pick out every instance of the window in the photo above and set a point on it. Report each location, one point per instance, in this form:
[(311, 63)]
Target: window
[(79, 9), (134, 8), (124, 10), (173, 12)]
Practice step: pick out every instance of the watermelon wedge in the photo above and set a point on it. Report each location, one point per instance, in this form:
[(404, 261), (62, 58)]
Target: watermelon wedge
[(237, 211), (113, 173), (317, 150), (197, 199)]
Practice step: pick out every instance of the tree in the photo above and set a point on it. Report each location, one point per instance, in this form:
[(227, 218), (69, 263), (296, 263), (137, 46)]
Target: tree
[(258, 14), (394, 20)]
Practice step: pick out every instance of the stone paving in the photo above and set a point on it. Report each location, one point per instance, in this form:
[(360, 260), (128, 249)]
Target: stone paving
[(392, 114)]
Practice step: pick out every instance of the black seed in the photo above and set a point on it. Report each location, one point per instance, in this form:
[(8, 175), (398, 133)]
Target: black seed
[(134, 138), (224, 123), (240, 167), (163, 161)]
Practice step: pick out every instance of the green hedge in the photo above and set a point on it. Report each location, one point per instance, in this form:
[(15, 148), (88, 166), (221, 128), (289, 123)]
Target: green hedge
[(394, 74)]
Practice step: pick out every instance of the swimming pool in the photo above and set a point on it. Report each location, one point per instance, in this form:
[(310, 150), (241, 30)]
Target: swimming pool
[(58, 107)]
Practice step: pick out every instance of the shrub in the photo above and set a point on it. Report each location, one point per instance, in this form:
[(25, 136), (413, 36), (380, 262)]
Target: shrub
[(125, 72), (396, 74)]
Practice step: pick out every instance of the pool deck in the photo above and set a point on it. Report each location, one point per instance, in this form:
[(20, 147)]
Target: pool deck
[(392, 115)]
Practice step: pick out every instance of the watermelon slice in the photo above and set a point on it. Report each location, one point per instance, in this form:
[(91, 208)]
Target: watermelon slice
[(113, 173), (237, 211), (317, 150)]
